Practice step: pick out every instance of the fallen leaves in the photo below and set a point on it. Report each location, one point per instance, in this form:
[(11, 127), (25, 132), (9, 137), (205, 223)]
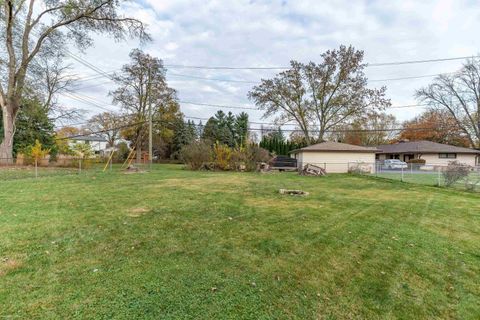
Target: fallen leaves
[(8, 265)]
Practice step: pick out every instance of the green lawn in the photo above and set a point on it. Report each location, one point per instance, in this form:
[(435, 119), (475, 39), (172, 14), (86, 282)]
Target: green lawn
[(431, 179), (174, 244)]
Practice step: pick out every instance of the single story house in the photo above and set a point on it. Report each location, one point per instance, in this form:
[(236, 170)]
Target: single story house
[(336, 157), (433, 153), (98, 144)]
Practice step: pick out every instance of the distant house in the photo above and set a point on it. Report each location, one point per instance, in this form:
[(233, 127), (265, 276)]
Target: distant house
[(433, 153), (98, 144), (336, 157)]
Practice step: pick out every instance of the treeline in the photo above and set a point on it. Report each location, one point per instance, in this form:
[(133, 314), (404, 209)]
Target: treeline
[(280, 146)]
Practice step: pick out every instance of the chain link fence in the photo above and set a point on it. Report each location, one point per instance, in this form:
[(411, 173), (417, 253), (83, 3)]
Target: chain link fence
[(11, 169), (458, 176)]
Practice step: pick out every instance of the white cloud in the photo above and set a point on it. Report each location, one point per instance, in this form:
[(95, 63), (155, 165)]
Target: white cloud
[(271, 33)]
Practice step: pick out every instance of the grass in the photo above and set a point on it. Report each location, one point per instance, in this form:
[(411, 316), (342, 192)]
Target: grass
[(431, 179), (174, 244)]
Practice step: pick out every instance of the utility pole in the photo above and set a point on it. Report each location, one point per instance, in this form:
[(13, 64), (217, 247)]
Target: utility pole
[(150, 122)]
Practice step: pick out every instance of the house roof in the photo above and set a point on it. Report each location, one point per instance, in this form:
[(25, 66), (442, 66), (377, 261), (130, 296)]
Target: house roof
[(89, 138), (423, 147), (335, 146)]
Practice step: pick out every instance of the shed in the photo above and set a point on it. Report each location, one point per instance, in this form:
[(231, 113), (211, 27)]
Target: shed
[(336, 157)]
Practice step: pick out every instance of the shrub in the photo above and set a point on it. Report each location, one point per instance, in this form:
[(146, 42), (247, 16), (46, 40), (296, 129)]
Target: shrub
[(238, 158), (222, 156), (254, 155), (196, 154), (122, 152), (83, 150), (418, 161), (454, 172), (37, 152), (359, 168)]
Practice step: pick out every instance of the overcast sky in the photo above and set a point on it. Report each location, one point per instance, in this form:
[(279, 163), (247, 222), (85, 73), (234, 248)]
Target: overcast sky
[(252, 33)]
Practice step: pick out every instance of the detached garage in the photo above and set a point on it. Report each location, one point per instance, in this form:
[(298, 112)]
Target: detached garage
[(336, 157)]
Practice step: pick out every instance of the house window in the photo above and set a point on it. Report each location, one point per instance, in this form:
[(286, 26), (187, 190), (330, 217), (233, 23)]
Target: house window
[(447, 155)]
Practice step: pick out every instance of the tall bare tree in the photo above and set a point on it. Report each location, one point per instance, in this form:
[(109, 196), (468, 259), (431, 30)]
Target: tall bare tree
[(142, 85), (319, 97), (33, 27), (459, 95)]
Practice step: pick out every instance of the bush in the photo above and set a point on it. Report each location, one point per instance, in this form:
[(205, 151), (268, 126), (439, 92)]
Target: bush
[(196, 154), (122, 152), (238, 158), (222, 156), (455, 171), (419, 161), (255, 155), (360, 168)]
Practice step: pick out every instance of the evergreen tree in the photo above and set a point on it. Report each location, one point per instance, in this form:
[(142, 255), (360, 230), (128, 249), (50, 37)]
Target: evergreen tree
[(241, 129), (32, 124), (185, 134)]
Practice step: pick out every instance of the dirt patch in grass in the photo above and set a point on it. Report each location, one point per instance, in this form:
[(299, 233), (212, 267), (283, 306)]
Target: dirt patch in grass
[(138, 212), (8, 265), (291, 202), (217, 183)]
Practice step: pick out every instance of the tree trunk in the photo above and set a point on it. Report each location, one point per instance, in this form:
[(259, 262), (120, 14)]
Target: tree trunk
[(6, 147), (139, 153)]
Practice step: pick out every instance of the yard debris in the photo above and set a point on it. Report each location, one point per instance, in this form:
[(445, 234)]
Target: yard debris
[(293, 192), (137, 212), (253, 284), (313, 170), (95, 270), (460, 252), (132, 169), (382, 272), (213, 289)]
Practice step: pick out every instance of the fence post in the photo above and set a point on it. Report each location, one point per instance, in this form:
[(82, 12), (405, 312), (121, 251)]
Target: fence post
[(438, 176), (79, 166), (402, 174)]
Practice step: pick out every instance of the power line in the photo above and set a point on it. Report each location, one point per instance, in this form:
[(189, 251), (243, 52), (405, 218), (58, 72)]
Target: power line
[(397, 63), (96, 103), (218, 105), (411, 77), (252, 129), (84, 100), (211, 79), (179, 66)]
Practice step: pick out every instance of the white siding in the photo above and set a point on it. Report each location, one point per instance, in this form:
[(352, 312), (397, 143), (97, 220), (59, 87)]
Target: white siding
[(433, 159), (334, 161)]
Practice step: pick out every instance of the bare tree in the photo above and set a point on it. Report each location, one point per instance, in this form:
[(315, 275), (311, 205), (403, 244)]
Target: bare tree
[(371, 129), (319, 97), (31, 28), (142, 84), (48, 79), (108, 122), (459, 94)]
